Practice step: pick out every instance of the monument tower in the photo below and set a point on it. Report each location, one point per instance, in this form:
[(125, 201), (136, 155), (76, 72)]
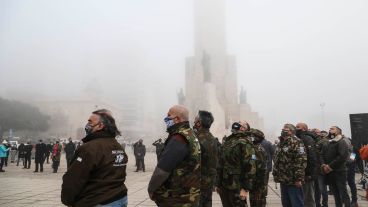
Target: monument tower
[(211, 75)]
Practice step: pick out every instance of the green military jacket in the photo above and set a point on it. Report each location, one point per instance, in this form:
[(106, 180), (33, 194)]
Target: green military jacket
[(209, 153), (237, 166), (290, 161), (182, 188), (261, 168)]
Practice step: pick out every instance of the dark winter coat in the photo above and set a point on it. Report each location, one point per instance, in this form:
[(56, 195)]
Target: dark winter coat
[(40, 152), (97, 172)]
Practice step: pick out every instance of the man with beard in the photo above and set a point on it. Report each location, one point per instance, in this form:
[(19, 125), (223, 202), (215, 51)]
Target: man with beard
[(311, 170), (97, 170), (202, 124), (237, 167), (176, 178), (333, 159)]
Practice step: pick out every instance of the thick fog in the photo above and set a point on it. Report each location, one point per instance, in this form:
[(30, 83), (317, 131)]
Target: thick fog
[(291, 56)]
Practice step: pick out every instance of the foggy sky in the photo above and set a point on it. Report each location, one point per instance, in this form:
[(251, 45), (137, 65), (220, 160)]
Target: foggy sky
[(291, 55)]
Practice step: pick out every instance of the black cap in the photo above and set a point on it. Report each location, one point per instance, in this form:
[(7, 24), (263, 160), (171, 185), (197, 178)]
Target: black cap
[(236, 126)]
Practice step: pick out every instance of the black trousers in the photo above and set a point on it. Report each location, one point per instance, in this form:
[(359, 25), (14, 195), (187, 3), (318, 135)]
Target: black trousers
[(39, 163), (47, 158), (231, 198), (351, 182), (2, 161), (27, 162), (19, 158), (140, 164), (206, 198), (337, 182), (55, 165)]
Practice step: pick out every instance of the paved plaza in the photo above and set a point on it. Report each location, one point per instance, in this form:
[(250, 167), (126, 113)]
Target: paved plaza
[(23, 187)]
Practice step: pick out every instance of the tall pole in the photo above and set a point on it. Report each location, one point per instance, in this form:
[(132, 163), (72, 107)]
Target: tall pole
[(323, 114)]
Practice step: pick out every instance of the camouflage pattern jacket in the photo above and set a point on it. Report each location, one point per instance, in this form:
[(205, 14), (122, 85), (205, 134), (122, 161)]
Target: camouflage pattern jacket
[(237, 166), (209, 155), (260, 183), (290, 161), (321, 142), (182, 188)]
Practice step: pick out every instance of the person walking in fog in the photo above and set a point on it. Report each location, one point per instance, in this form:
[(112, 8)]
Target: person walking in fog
[(140, 152)]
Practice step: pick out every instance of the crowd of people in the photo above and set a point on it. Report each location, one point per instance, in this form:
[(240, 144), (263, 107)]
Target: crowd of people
[(40, 152), (192, 164)]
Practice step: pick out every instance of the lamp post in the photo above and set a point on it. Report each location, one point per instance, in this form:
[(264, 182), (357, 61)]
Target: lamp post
[(322, 105)]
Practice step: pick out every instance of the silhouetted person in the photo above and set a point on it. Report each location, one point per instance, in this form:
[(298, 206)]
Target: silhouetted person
[(40, 155), (27, 155), (69, 152)]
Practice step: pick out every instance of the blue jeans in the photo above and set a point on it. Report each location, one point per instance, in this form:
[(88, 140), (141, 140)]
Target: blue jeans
[(123, 202), (292, 196)]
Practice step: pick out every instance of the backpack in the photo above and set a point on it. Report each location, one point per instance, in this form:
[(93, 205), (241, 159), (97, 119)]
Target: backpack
[(364, 153)]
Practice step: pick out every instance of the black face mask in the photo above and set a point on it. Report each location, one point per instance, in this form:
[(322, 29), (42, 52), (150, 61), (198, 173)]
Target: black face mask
[(89, 128), (284, 133), (298, 132)]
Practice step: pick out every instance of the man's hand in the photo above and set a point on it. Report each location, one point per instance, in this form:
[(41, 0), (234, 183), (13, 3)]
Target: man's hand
[(243, 195), (326, 169), (298, 184)]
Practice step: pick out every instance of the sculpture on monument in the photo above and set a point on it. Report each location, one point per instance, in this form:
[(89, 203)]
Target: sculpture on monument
[(181, 97), (243, 96), (206, 67)]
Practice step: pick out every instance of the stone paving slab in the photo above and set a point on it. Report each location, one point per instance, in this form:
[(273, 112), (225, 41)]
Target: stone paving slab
[(22, 187)]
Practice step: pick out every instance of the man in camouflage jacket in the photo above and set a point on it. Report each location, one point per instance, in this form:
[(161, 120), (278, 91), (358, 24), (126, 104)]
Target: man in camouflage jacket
[(258, 194), (289, 168), (237, 167), (209, 152), (176, 179)]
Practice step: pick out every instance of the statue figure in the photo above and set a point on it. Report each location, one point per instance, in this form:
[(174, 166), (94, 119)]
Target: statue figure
[(181, 97), (206, 67), (243, 96)]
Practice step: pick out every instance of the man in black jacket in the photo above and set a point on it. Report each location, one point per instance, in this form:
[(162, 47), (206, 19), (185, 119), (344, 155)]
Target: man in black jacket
[(98, 168), (27, 155), (21, 153), (139, 153), (333, 159), (69, 152), (311, 169), (40, 155)]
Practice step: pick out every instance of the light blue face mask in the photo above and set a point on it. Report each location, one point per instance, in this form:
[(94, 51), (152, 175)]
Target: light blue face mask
[(169, 122)]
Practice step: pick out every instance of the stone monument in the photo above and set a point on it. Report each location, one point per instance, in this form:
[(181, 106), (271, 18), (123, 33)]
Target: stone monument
[(211, 75)]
